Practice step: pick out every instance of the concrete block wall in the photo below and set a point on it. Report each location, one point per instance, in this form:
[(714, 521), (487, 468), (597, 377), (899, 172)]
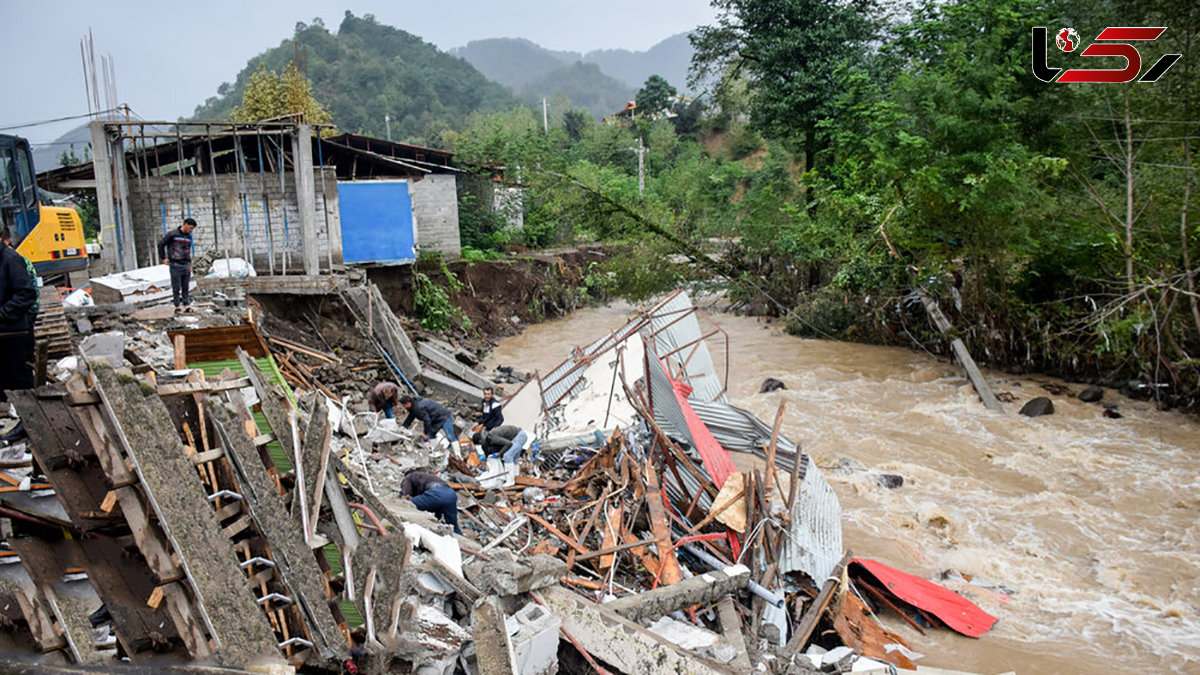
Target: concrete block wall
[(435, 212), (228, 224)]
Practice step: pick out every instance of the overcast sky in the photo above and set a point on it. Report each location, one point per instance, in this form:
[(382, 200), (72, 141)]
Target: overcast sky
[(170, 56)]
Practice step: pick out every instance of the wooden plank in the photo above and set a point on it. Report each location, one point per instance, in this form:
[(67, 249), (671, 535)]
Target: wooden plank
[(180, 352), (295, 563), (808, 622), (960, 352), (206, 387), (661, 528), (206, 457), (558, 533), (143, 427)]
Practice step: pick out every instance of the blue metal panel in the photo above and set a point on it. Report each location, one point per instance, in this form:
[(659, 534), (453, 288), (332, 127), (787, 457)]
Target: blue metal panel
[(377, 222)]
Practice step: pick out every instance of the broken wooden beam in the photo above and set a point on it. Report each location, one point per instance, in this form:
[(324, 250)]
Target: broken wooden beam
[(960, 352)]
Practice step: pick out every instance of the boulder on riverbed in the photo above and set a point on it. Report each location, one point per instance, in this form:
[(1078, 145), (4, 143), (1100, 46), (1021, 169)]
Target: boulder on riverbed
[(1038, 407), (1091, 394), (771, 384)]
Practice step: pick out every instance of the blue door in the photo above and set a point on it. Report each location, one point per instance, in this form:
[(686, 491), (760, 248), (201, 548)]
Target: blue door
[(377, 222)]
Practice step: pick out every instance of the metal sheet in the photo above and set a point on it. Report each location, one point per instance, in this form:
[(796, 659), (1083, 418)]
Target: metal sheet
[(674, 328), (814, 542)]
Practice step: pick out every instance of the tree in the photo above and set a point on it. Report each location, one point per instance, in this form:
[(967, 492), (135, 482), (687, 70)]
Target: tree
[(269, 96), (655, 96), (789, 50)]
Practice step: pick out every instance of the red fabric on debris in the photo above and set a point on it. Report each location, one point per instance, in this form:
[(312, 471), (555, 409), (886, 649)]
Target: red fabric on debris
[(960, 614), (716, 459)]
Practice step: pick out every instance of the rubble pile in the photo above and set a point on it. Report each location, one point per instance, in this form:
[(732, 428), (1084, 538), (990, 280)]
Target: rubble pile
[(233, 502)]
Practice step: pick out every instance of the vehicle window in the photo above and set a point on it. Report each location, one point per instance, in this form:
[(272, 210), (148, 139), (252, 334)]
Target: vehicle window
[(7, 179), (28, 186)]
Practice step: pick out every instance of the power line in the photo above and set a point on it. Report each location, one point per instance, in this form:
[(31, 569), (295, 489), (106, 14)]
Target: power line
[(59, 119)]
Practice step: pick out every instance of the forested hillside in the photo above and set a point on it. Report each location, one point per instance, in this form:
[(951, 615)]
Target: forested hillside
[(885, 154), (599, 81), (367, 70)]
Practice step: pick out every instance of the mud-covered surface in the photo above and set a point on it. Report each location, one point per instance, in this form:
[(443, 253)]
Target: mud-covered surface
[(501, 297), (187, 519)]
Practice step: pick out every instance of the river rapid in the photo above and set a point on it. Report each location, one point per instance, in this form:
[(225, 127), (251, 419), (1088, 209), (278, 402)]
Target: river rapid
[(1080, 532)]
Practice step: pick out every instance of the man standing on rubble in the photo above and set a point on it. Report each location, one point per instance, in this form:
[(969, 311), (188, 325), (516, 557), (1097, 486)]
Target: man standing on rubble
[(175, 250), (384, 397), (430, 493), (433, 416), (492, 416), (508, 441), (18, 298)]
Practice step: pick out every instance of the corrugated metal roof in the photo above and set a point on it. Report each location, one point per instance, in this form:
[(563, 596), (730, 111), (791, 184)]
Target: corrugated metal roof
[(676, 333), (814, 541)]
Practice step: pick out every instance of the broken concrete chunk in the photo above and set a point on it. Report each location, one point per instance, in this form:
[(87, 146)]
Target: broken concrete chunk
[(534, 635), (109, 346), (505, 576), (693, 638)]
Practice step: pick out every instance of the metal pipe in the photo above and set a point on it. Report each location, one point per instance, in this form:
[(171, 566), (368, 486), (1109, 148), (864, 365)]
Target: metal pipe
[(755, 588), (371, 515)]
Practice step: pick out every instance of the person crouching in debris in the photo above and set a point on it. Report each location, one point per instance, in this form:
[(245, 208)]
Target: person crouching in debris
[(430, 493), (384, 397), (433, 415), (175, 249), (506, 440), (491, 416)]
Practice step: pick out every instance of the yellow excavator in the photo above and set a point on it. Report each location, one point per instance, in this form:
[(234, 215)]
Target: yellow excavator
[(51, 237)]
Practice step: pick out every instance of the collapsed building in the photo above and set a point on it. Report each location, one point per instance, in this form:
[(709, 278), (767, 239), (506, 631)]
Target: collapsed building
[(212, 493), (209, 488)]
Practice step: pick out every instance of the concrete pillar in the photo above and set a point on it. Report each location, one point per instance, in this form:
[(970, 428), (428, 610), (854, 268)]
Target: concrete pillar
[(105, 193), (306, 202)]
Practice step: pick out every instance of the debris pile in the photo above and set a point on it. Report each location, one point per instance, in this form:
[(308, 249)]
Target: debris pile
[(233, 502)]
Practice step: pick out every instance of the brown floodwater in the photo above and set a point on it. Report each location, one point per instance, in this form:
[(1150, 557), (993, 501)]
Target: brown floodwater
[(1080, 531)]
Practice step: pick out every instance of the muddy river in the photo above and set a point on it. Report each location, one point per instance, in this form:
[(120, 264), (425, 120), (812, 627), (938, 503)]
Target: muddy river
[(1080, 532)]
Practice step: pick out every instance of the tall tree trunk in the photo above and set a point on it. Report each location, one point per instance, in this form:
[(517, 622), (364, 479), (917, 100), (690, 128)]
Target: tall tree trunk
[(1188, 273), (1128, 195)]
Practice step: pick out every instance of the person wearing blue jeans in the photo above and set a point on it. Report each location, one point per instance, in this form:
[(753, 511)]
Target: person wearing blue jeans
[(431, 494), (433, 416), (383, 397), (505, 440)]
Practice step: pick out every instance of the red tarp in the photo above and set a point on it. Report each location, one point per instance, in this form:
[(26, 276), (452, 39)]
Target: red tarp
[(960, 614)]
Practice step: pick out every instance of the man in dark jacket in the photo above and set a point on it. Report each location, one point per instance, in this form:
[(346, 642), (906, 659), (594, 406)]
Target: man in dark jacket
[(18, 295), (492, 416), (430, 493), (175, 249), (383, 397), (433, 416), (506, 441)]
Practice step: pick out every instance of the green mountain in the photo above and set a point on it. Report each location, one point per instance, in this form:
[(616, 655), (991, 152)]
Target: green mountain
[(513, 62), (668, 59), (600, 81), (584, 85), (367, 70)]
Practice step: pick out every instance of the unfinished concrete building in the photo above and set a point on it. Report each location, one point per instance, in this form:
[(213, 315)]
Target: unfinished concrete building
[(276, 194)]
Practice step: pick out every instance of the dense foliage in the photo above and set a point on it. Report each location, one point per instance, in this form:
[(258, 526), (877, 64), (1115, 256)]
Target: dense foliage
[(366, 71), (848, 156)]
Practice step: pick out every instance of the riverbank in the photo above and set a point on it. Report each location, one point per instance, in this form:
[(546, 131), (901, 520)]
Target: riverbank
[(1077, 531)]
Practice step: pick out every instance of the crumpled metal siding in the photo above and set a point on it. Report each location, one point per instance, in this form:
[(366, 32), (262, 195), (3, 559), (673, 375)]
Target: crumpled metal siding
[(566, 379), (679, 314), (814, 541), (669, 417)]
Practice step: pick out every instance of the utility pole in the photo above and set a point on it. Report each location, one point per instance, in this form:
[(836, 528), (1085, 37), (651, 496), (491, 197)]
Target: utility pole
[(641, 151), (545, 117), (387, 120)]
